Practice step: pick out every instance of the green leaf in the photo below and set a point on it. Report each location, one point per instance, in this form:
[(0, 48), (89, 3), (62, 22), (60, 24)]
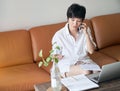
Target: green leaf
[(40, 64), (57, 47), (48, 59), (40, 53), (54, 43), (45, 64), (51, 51), (56, 60)]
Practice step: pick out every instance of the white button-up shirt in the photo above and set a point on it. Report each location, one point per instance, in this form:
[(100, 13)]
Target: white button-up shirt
[(72, 50)]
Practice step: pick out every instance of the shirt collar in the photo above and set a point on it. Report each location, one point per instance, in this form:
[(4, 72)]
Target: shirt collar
[(67, 30)]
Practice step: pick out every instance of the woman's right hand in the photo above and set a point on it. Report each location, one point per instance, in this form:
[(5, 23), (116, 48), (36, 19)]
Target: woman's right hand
[(59, 56)]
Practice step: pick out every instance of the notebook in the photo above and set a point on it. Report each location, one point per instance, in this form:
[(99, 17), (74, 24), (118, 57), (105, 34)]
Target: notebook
[(109, 72), (78, 83)]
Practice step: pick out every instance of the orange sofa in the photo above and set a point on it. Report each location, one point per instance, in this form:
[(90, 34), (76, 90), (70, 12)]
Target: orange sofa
[(19, 51)]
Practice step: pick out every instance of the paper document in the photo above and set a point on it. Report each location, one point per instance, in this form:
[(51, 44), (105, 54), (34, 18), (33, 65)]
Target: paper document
[(90, 67), (78, 83)]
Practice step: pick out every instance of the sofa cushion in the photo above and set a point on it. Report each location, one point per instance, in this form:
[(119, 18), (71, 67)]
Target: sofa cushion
[(22, 77), (101, 59), (15, 48), (113, 51), (107, 30)]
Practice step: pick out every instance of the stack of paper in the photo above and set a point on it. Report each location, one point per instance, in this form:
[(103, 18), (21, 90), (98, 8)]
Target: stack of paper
[(78, 83)]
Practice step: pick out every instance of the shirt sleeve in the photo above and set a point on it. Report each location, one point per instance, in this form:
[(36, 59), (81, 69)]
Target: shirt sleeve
[(55, 43)]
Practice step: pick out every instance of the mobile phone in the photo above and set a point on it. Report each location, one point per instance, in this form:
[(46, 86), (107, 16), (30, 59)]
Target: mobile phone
[(81, 26)]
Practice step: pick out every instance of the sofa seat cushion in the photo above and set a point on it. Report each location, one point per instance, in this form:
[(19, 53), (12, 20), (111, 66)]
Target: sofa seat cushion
[(113, 51), (22, 77), (101, 59)]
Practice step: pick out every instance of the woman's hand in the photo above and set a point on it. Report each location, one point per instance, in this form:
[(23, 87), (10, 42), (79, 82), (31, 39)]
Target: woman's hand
[(59, 56)]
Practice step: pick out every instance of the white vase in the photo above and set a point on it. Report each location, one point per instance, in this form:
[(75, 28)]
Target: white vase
[(55, 78)]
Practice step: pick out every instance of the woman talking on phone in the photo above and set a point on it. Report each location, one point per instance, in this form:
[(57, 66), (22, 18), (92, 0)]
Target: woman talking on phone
[(75, 42)]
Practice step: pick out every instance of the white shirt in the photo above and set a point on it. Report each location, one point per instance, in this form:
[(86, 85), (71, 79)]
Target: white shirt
[(72, 50)]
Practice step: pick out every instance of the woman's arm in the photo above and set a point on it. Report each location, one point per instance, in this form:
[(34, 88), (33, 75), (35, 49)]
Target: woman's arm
[(90, 46)]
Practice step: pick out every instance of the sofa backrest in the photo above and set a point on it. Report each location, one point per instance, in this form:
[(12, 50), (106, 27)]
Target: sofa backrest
[(107, 30), (15, 48)]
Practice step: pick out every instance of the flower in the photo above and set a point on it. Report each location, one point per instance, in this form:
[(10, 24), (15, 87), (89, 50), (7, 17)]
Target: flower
[(50, 58)]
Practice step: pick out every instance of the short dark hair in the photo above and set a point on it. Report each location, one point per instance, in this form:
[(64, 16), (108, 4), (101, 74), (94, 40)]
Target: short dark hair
[(76, 11)]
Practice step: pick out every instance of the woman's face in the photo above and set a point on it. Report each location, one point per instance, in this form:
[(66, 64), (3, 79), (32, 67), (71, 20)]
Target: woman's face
[(74, 23)]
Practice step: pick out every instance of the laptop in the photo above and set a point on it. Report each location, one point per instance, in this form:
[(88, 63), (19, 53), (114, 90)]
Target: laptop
[(109, 72)]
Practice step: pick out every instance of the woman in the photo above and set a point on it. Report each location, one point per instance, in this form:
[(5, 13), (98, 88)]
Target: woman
[(75, 42)]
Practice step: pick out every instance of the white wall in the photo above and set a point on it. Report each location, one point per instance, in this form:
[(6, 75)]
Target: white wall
[(24, 14)]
